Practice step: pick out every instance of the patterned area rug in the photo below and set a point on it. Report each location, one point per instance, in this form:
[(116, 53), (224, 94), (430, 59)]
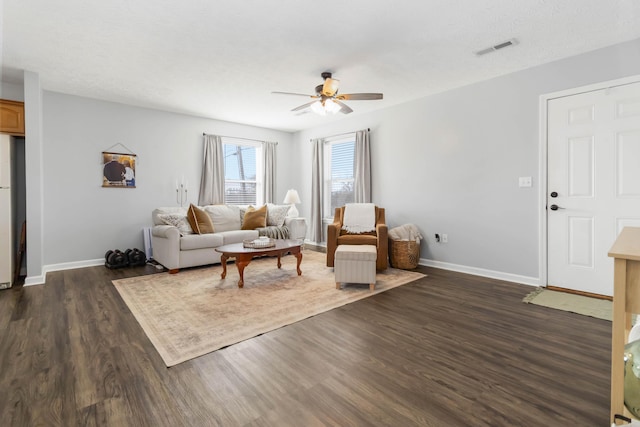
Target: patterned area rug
[(195, 312), (594, 307)]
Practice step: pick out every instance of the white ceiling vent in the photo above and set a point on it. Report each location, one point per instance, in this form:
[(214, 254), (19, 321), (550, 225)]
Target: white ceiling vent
[(499, 46)]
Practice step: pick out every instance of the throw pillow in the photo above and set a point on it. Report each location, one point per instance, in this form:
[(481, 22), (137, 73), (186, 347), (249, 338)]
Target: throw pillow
[(276, 214), (255, 218), (199, 220), (178, 221)]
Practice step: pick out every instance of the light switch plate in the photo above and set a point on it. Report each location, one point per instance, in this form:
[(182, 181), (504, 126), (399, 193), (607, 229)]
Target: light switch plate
[(525, 181)]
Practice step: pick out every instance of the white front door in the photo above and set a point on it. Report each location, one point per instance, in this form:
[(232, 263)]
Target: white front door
[(593, 183)]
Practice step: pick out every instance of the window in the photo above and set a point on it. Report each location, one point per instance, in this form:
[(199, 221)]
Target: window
[(242, 173), (339, 173)]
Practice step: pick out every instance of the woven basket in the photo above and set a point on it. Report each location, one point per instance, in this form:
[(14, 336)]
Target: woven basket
[(404, 254)]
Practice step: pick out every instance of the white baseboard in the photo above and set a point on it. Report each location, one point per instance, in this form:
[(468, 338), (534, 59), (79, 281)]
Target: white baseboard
[(34, 280), (40, 280), (509, 277)]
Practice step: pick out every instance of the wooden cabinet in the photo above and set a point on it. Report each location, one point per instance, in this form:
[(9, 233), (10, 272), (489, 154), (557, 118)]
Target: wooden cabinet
[(12, 117), (626, 301)]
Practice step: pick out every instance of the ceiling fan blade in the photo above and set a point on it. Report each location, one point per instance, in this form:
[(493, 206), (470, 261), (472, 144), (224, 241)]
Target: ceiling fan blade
[(330, 86), (303, 106), (297, 94), (345, 108), (359, 96)]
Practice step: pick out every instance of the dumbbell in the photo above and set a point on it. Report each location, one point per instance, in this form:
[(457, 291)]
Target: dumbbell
[(115, 259), (136, 257)]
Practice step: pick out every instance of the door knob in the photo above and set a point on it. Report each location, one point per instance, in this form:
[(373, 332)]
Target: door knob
[(555, 207), (554, 194)]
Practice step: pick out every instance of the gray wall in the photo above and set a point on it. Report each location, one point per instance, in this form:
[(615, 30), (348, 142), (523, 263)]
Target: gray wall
[(11, 91), (82, 220), (34, 179), (450, 162)]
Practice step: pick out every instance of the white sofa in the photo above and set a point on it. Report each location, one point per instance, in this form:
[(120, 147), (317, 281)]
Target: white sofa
[(176, 247)]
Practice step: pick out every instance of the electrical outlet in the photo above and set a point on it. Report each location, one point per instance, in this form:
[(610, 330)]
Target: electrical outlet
[(525, 181), (445, 238)]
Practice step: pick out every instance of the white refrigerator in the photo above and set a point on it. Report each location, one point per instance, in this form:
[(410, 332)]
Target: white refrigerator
[(6, 220)]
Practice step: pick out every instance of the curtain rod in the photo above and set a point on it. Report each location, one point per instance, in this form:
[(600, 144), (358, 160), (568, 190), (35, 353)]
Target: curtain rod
[(237, 137), (340, 134)]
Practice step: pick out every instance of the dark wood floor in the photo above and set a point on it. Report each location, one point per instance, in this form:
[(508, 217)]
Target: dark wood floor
[(448, 350)]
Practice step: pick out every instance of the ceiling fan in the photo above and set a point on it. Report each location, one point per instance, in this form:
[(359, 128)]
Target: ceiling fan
[(327, 100)]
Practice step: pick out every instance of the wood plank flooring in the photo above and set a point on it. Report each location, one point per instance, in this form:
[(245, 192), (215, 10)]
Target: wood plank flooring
[(448, 350)]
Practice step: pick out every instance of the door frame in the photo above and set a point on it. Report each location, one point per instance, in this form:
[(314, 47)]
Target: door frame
[(543, 159)]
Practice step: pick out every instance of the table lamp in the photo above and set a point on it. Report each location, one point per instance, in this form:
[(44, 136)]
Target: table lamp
[(291, 199)]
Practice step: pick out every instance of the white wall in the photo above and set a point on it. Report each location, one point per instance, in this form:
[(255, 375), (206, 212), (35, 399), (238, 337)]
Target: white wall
[(450, 162), (82, 220)]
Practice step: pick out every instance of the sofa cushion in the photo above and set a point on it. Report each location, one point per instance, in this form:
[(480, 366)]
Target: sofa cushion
[(224, 217), (276, 214), (238, 236), (254, 218), (177, 220), (199, 220), (201, 241)]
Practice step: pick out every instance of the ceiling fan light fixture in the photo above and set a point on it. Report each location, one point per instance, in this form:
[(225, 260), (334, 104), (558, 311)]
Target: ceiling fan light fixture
[(331, 106), (324, 107), (318, 108)]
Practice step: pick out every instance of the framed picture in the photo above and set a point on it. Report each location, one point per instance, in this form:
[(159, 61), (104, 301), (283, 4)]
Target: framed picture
[(118, 170)]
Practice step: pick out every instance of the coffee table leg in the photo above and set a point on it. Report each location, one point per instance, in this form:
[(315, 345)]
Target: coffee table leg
[(242, 262), (279, 263), (223, 260), (299, 258)]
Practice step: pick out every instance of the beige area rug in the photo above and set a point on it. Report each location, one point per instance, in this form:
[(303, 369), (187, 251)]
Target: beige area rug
[(195, 312), (594, 307)]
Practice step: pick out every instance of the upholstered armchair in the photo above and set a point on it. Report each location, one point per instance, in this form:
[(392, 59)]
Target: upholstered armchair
[(378, 238)]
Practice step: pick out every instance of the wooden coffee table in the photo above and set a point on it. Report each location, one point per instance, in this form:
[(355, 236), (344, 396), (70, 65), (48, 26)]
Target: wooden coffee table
[(244, 255)]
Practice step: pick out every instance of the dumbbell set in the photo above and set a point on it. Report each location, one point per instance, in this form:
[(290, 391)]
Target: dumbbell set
[(129, 258)]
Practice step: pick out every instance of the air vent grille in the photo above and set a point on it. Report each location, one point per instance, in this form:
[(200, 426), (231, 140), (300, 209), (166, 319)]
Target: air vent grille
[(502, 45)]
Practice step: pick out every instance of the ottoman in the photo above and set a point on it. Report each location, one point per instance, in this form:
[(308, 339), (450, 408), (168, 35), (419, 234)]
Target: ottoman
[(355, 264)]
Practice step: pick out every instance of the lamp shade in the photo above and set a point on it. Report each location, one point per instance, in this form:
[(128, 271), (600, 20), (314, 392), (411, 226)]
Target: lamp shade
[(318, 108), (291, 197)]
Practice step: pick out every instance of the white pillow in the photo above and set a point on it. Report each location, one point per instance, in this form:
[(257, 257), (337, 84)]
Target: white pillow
[(178, 221), (276, 214)]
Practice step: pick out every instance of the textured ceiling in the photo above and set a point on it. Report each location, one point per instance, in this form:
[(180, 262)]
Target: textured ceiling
[(222, 58)]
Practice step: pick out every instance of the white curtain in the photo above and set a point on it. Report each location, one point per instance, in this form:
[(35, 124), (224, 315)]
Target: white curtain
[(362, 168), (212, 182), (269, 168), (317, 178)]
